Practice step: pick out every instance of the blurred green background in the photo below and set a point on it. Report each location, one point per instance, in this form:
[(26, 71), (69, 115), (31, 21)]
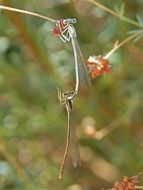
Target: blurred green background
[(33, 125)]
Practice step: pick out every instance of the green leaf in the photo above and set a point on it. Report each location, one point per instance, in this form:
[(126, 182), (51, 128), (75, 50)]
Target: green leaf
[(120, 10), (139, 19)]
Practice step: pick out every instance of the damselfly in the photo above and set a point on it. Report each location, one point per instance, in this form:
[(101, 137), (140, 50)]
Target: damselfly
[(67, 99), (66, 31)]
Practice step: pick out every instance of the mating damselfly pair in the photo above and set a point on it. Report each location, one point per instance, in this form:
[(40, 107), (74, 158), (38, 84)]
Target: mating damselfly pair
[(65, 30)]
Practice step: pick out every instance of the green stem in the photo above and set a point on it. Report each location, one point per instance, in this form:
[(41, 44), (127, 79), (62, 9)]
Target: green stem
[(131, 21), (121, 17)]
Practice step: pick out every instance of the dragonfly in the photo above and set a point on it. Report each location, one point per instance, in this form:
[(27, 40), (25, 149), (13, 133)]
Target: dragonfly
[(65, 30), (66, 98)]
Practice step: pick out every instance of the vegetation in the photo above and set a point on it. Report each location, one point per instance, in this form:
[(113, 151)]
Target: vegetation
[(107, 115)]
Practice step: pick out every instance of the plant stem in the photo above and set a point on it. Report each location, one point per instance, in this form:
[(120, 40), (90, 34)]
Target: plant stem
[(26, 12), (122, 43), (121, 17), (138, 187)]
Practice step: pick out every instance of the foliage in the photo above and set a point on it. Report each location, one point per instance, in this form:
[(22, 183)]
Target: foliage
[(33, 63)]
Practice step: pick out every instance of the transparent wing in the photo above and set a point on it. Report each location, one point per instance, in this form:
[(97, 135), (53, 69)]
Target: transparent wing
[(74, 146), (81, 69)]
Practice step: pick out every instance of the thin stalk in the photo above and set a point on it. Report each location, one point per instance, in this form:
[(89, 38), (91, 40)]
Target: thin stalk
[(26, 12), (107, 129), (138, 187), (122, 43), (121, 17)]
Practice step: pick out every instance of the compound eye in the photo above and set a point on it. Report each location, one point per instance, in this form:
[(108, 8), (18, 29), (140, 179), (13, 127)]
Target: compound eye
[(73, 20), (70, 20)]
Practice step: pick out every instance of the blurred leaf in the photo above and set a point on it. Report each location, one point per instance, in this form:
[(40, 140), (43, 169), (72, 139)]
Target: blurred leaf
[(33, 124), (120, 10), (139, 19)]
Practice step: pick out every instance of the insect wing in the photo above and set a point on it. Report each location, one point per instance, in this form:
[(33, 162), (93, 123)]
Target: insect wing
[(74, 147), (84, 78)]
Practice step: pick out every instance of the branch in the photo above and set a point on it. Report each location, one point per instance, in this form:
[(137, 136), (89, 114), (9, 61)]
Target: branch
[(117, 46), (26, 12), (121, 17)]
